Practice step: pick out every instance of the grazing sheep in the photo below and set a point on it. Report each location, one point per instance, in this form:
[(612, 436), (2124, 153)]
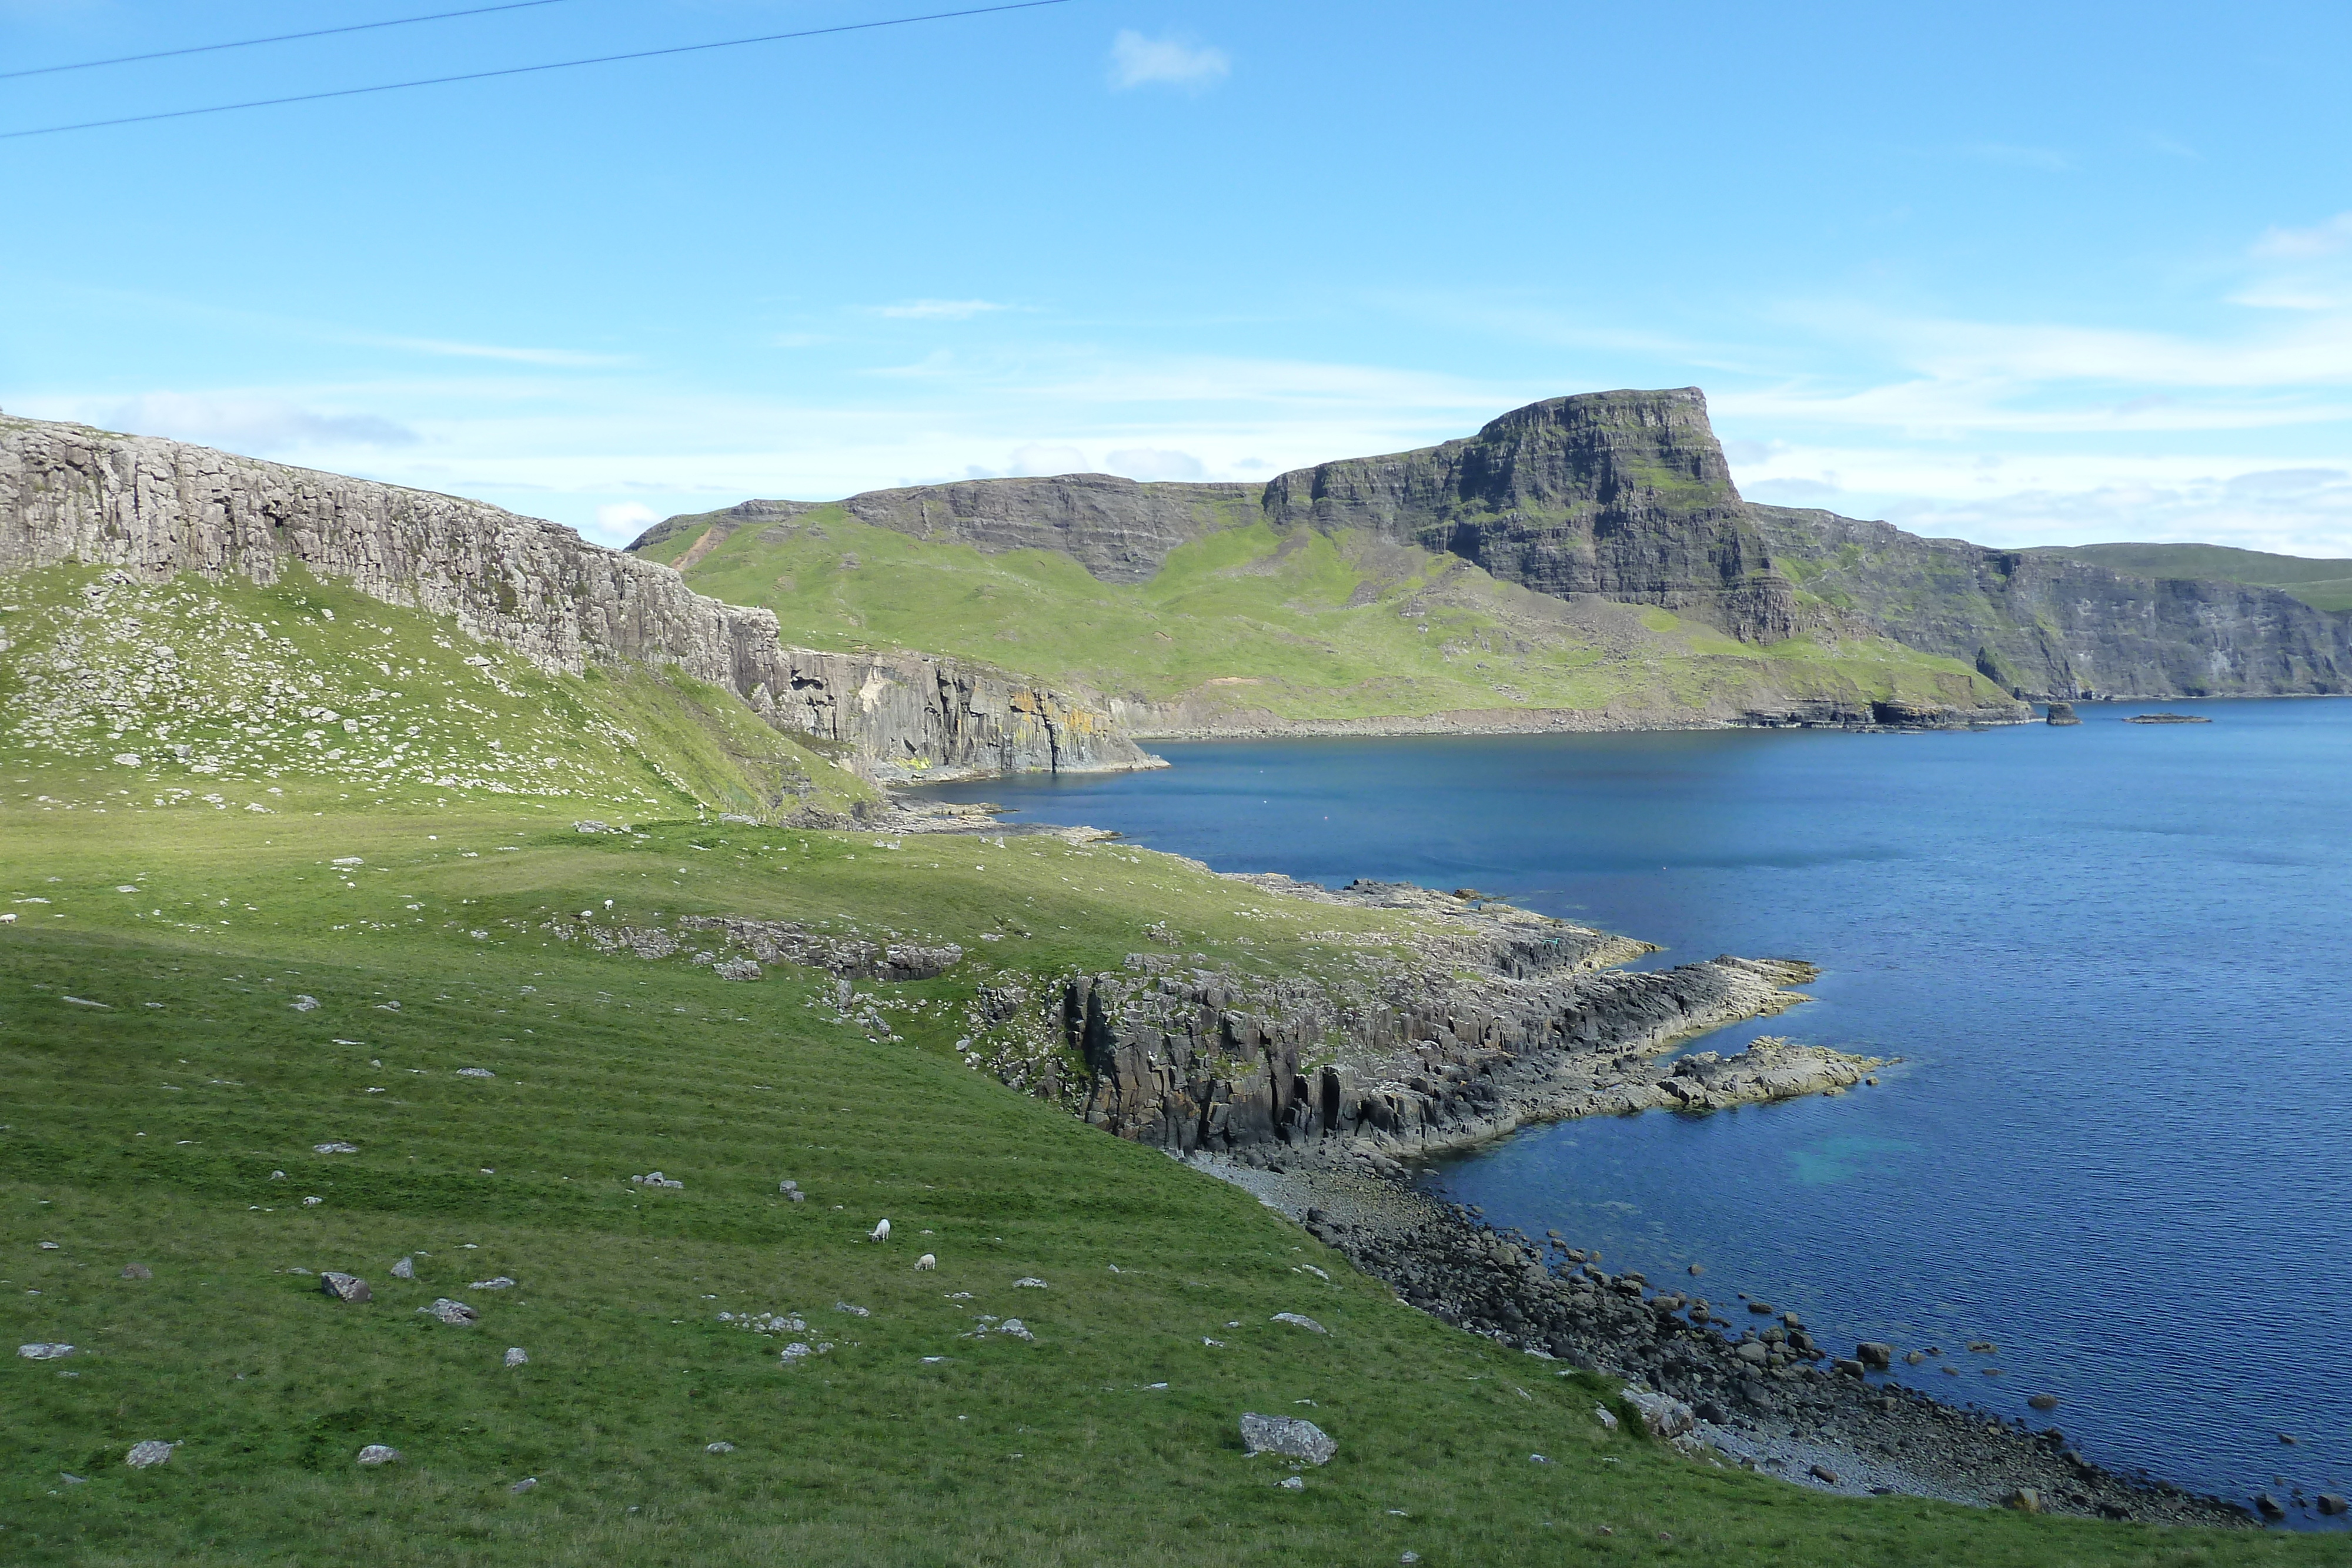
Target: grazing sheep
[(927, 1262), (880, 1232)]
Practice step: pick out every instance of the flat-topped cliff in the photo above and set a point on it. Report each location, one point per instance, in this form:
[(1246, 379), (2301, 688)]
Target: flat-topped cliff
[(154, 508)]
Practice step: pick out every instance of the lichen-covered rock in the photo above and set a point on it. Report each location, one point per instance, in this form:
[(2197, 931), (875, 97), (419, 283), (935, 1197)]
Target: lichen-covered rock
[(457, 1314), (344, 1287), (1287, 1436), (149, 1454)]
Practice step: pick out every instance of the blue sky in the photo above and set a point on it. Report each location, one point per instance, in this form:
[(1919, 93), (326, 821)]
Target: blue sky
[(2025, 274)]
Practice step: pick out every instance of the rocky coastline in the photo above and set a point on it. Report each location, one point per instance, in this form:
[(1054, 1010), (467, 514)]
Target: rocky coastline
[(1735, 1381)]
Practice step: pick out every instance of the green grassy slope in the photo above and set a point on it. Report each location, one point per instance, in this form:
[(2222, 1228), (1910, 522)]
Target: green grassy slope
[(147, 1128), (1302, 625), (2322, 584), (309, 692)]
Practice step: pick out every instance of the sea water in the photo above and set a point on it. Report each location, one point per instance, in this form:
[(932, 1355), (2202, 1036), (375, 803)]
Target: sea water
[(2115, 962)]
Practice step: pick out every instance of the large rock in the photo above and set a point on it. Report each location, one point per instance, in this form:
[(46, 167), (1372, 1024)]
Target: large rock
[(1662, 1416), (344, 1287), (1287, 1436)]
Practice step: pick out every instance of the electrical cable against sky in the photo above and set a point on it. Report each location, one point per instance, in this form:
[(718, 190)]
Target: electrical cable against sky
[(278, 39), (528, 70)]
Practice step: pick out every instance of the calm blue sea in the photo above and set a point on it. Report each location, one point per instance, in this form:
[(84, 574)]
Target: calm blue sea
[(2116, 961)]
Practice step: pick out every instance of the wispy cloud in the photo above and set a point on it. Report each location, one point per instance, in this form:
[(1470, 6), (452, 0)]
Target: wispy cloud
[(624, 517), (1136, 61), (2327, 238), (938, 309), (563, 358)]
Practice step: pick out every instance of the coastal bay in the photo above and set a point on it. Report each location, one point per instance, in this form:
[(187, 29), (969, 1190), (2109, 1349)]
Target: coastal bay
[(2096, 948)]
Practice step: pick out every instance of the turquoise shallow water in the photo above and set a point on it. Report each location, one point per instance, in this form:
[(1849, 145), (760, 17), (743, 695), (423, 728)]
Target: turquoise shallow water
[(2116, 960)]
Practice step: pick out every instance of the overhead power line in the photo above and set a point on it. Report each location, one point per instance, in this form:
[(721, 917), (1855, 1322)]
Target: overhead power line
[(528, 70), (275, 38)]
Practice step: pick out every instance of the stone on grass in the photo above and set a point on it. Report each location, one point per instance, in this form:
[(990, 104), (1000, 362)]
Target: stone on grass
[(146, 1455), (2025, 1499), (378, 1454), (42, 1350), (405, 1269), (524, 1485), (517, 1356), (305, 1004), (312, 1202), (344, 1287), (137, 1272), (1607, 1416), (1030, 1282), (476, 1072), (1287, 1436), (1294, 1483), (717, 1447), (1017, 1328), (336, 1147), (457, 1314), (500, 1284), (1296, 1321), (736, 970), (1662, 1416)]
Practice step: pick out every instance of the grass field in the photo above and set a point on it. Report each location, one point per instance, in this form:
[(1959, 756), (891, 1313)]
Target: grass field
[(1303, 625), (163, 1065)]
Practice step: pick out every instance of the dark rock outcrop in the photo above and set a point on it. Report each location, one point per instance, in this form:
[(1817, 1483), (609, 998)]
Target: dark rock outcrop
[(153, 507)]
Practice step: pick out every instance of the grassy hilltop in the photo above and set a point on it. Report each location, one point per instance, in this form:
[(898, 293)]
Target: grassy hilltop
[(2320, 583), (176, 915), (1300, 625)]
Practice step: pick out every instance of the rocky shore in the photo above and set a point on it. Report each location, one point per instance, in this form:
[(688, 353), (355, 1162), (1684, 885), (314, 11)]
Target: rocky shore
[(1735, 1378)]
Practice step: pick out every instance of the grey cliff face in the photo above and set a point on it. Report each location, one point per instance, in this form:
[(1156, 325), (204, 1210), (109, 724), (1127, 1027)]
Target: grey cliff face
[(1625, 495), (2048, 626), (154, 508)]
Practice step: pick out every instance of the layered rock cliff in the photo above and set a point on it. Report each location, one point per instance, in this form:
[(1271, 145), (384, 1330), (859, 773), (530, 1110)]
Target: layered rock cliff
[(154, 508), (1625, 495), (2049, 626)]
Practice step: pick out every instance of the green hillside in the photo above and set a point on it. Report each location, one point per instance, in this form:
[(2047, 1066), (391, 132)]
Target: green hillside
[(307, 691), (2322, 584), (1298, 625), (162, 1068)]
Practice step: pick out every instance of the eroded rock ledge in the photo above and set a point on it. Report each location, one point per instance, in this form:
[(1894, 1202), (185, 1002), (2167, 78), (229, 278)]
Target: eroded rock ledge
[(1501, 1018)]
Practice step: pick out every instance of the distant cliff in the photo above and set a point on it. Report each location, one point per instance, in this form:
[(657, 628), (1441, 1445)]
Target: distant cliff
[(1625, 496), (2047, 625), (155, 507)]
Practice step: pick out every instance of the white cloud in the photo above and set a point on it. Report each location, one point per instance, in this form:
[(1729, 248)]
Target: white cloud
[(565, 358), (624, 517), (1136, 61), (246, 422), (1042, 457), (938, 309), (1155, 463), (2301, 245)]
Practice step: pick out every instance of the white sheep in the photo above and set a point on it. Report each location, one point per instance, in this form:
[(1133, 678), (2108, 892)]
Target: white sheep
[(927, 1262), (881, 1232)]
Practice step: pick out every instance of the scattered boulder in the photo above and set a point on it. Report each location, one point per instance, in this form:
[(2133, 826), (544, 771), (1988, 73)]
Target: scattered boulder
[(500, 1284), (1287, 1436), (476, 1072), (2269, 1507), (654, 1178), (1662, 1416), (405, 1269), (1293, 1483), (1846, 1368), (736, 970), (1030, 1282), (305, 1004), (137, 1272), (336, 1147), (2044, 1402), (457, 1314), (1299, 1320), (517, 1356), (39, 1351), (344, 1287), (717, 1447), (1872, 1353), (2333, 1504), (1607, 1417), (1824, 1475), (379, 1454), (2025, 1499), (149, 1454), (524, 1485)]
